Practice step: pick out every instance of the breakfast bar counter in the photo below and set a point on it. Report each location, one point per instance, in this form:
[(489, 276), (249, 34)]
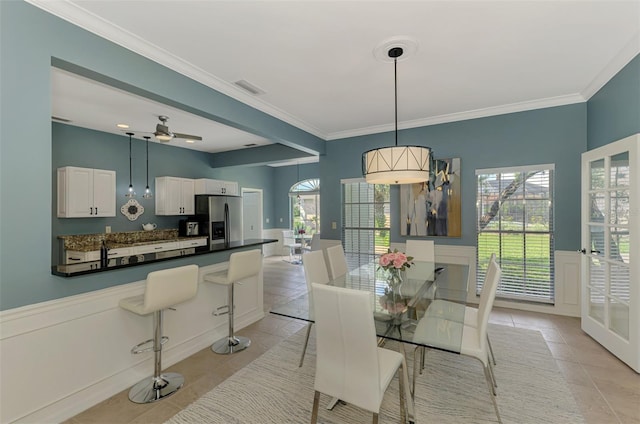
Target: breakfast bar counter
[(91, 267)]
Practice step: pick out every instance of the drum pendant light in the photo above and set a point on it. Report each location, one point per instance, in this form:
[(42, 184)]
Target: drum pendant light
[(147, 191), (396, 164), (130, 192)]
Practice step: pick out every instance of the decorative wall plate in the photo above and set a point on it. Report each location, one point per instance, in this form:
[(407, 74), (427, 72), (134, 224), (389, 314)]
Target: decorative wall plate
[(132, 209)]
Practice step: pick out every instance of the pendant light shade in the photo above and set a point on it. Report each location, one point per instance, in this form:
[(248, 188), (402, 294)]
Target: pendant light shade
[(130, 192), (147, 191), (396, 164)]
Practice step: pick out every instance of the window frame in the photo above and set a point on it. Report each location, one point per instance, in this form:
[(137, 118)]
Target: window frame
[(531, 280)]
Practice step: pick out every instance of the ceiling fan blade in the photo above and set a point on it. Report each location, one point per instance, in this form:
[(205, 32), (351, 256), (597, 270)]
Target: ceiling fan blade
[(187, 136)]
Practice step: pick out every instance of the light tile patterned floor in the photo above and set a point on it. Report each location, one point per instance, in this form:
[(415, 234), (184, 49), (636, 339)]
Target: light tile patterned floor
[(605, 389)]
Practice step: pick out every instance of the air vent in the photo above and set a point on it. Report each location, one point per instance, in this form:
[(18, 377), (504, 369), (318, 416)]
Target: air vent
[(247, 86), (57, 118)]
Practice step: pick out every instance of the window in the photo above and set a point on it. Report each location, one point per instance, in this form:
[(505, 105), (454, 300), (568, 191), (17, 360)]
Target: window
[(366, 220), (305, 206), (515, 221)]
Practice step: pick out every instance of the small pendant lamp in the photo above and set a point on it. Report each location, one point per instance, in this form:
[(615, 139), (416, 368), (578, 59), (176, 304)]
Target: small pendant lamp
[(130, 192), (147, 191)]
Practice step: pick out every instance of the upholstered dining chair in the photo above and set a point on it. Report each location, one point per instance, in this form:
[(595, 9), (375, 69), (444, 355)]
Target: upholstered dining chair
[(315, 271), (447, 309), (438, 331), (289, 241), (337, 261), (349, 364)]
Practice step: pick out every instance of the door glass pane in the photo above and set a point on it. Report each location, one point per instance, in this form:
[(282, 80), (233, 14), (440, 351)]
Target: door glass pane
[(597, 270), (619, 207), (619, 282), (619, 173), (596, 234), (596, 305), (619, 318), (619, 244), (597, 174), (596, 207)]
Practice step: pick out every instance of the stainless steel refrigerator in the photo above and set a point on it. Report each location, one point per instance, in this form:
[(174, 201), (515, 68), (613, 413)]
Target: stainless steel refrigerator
[(220, 217)]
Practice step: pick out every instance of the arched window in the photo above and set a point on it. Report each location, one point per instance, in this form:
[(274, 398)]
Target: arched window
[(305, 206)]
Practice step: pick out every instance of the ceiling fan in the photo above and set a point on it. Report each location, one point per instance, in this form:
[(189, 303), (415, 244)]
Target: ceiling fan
[(164, 135)]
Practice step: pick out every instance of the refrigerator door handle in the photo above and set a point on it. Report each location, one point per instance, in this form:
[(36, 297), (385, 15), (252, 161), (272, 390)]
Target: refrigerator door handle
[(227, 229)]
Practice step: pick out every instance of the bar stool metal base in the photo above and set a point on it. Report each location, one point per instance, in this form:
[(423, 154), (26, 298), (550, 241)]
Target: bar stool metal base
[(229, 345), (152, 389)]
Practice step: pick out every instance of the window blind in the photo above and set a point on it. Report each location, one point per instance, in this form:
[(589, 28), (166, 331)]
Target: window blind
[(515, 221)]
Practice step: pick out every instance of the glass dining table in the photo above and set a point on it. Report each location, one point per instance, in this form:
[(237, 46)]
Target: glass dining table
[(398, 308)]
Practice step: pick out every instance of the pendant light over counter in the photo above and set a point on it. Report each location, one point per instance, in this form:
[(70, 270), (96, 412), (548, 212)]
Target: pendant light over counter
[(147, 191), (130, 192), (396, 164)]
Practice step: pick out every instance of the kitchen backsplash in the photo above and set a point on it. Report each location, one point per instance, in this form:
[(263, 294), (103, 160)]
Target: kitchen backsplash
[(83, 242)]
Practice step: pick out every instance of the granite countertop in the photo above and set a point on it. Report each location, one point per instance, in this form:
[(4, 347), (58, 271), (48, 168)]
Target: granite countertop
[(92, 242)]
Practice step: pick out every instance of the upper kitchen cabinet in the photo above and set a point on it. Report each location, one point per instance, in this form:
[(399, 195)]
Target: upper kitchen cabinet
[(174, 196), (208, 186), (86, 192)]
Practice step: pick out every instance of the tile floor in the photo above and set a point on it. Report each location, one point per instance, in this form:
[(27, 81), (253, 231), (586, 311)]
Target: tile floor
[(605, 389)]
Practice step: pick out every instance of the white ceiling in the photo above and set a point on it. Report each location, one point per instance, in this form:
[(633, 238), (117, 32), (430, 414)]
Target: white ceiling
[(315, 59)]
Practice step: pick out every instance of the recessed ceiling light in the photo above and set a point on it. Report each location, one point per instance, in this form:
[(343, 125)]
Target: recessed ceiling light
[(123, 126), (190, 141)]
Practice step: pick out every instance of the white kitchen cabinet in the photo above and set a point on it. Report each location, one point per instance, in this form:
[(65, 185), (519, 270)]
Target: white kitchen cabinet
[(196, 242), (174, 196), (75, 257), (86, 192), (208, 186), (157, 247)]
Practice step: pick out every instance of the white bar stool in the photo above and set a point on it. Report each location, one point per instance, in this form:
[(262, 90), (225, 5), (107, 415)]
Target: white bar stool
[(242, 265), (163, 289)]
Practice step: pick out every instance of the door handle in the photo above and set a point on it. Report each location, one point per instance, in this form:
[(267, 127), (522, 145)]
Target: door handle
[(584, 251)]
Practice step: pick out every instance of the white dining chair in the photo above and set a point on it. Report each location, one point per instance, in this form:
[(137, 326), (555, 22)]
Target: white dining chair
[(349, 364), (315, 271), (289, 241), (315, 242), (450, 310), (337, 261), (440, 332), (422, 250)]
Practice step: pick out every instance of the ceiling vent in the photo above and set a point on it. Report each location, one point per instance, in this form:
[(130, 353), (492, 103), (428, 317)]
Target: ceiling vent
[(247, 86)]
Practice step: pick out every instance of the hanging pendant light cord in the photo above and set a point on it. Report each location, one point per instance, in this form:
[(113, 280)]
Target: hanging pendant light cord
[(147, 162), (395, 89)]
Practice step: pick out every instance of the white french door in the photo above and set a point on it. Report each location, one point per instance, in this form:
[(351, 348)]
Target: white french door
[(611, 247)]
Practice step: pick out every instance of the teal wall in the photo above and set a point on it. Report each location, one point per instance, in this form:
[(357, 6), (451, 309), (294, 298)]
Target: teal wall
[(74, 146), (545, 136), (613, 112), (30, 40)]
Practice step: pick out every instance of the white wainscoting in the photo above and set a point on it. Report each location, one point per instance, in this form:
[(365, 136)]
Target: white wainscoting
[(567, 279), (61, 357), (274, 249)]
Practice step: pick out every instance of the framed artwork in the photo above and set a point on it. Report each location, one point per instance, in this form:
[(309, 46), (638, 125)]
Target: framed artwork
[(433, 208)]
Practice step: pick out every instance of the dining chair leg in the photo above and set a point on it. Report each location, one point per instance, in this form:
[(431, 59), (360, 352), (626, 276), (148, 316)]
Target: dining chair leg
[(316, 403), (306, 341), (493, 376), (493, 357), (422, 354), (375, 418), (487, 377)]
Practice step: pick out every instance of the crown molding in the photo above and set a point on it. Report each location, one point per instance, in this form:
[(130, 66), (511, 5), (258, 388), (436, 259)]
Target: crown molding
[(80, 17), (624, 56), (463, 116)]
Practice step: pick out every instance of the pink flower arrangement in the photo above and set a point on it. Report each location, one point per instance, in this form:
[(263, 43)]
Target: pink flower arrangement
[(395, 260)]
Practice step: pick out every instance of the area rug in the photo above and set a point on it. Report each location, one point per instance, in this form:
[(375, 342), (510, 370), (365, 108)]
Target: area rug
[(273, 390)]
